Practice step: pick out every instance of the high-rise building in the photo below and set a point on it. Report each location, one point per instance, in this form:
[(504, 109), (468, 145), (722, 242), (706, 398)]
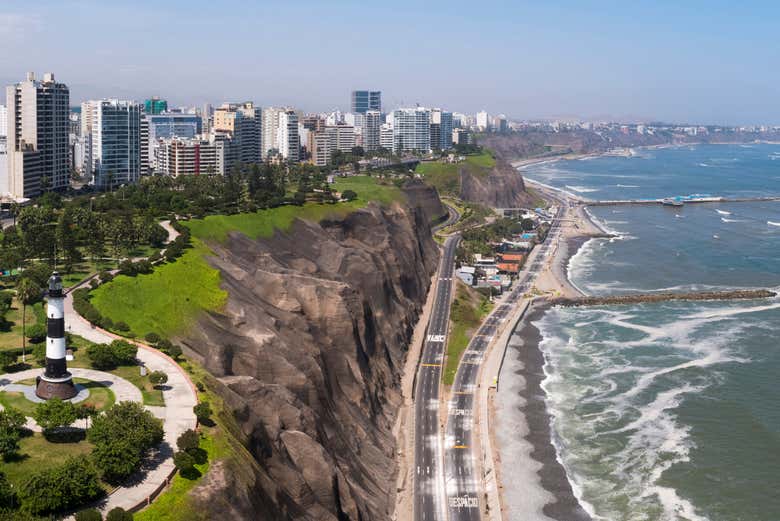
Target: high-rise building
[(500, 124), (363, 100), (244, 123), (412, 130), (287, 136), (146, 165), (116, 142), (270, 130), (441, 129), (155, 105), (386, 136), (323, 143), (181, 156), (371, 126), (3, 167), (37, 136), (483, 121), (205, 114), (3, 121)]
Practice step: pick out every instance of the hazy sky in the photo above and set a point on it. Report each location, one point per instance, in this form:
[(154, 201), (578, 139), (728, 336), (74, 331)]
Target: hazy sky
[(701, 62)]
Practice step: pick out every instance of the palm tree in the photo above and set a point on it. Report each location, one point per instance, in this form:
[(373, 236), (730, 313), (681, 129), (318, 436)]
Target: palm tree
[(26, 292)]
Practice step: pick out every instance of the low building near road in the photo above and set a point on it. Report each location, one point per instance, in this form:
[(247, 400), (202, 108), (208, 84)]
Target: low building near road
[(467, 274)]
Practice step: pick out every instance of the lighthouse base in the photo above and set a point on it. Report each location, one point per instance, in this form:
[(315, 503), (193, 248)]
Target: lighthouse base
[(48, 388)]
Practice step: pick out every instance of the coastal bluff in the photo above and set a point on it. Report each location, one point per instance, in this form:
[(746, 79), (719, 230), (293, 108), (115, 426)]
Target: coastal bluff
[(638, 298)]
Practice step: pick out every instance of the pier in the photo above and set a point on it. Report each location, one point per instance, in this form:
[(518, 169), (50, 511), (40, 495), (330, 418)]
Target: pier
[(638, 298)]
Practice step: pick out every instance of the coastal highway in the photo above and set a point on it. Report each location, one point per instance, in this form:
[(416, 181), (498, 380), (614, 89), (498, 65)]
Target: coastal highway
[(428, 470), (462, 483)]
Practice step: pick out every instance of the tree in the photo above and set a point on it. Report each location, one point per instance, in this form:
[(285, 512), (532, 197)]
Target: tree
[(54, 414), (158, 378), (9, 442), (101, 356), (6, 300), (349, 195), (27, 292), (90, 514), (119, 514), (528, 224), (202, 411), (67, 486), (124, 352), (7, 360), (174, 351), (7, 494), (36, 333), (122, 436), (188, 441), (184, 462)]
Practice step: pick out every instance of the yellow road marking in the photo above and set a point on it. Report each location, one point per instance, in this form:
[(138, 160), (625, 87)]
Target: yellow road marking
[(460, 447), (431, 365)]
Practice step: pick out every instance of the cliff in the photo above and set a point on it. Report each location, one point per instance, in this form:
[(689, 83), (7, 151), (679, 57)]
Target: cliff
[(500, 187), (309, 352)]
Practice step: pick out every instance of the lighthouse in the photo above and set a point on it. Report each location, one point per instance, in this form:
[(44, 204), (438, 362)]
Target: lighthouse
[(56, 381)]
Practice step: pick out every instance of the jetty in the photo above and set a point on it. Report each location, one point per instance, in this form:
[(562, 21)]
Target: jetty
[(638, 298)]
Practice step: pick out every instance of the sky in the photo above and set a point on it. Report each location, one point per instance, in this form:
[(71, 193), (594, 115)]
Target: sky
[(703, 62)]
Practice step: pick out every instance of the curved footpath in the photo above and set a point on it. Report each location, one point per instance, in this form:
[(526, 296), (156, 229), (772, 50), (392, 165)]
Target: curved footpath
[(180, 397)]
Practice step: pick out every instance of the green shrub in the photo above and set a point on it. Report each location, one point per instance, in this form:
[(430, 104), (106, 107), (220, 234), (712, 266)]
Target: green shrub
[(119, 514), (124, 352), (67, 486), (90, 514), (54, 413), (202, 411), (36, 333), (7, 360), (158, 377), (152, 338), (188, 441), (7, 494), (121, 326), (106, 276)]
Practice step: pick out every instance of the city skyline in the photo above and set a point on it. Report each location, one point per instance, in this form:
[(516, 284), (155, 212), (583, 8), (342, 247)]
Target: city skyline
[(591, 61)]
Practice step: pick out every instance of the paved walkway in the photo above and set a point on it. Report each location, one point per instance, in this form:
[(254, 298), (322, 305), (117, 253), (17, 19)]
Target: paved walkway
[(179, 395), (123, 390)]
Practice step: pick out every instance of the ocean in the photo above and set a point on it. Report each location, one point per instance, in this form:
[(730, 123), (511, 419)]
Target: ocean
[(669, 411)]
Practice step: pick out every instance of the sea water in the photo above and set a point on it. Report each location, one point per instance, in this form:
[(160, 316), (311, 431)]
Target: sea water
[(670, 411)]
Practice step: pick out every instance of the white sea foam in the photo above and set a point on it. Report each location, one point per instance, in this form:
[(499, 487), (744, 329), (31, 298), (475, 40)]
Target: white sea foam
[(723, 219), (723, 212), (771, 223), (582, 189), (704, 165), (628, 186)]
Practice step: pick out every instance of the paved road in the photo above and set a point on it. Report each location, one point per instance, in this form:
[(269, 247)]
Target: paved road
[(461, 479), (428, 471)]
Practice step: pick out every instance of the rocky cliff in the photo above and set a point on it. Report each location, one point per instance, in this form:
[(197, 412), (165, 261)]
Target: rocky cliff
[(501, 187), (309, 351)]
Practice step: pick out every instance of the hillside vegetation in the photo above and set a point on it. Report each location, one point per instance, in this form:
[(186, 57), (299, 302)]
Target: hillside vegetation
[(170, 299), (446, 176)]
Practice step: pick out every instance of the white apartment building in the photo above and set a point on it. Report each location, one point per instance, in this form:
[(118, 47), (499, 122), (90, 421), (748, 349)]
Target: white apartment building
[(270, 130), (191, 156), (37, 128), (288, 140), (116, 142), (3, 121), (483, 120), (386, 136), (412, 130), (330, 139), (371, 128)]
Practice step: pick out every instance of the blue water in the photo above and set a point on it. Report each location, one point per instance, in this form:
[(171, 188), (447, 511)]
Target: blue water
[(721, 170), (669, 411)]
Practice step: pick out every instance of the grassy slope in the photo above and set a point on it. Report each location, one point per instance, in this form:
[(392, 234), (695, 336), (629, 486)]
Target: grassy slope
[(168, 300), (445, 176), (35, 454), (468, 310)]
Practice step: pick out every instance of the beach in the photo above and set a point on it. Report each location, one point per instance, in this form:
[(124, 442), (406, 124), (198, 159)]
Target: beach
[(531, 477)]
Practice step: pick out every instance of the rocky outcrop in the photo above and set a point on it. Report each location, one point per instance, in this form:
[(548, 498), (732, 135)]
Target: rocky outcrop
[(500, 187), (309, 351)]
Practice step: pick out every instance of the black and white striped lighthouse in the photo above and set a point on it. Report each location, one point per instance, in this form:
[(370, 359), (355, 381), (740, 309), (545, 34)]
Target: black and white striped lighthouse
[(56, 381)]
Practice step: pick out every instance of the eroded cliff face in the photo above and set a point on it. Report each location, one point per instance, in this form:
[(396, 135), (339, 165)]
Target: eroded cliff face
[(309, 351), (502, 187)]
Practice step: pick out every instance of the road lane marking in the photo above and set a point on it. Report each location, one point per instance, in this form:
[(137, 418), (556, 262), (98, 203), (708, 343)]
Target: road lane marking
[(431, 365)]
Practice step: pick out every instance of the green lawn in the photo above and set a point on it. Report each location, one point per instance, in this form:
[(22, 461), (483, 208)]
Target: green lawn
[(265, 222), (100, 397), (36, 454), (11, 335), (167, 300), (446, 176), (468, 310)]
